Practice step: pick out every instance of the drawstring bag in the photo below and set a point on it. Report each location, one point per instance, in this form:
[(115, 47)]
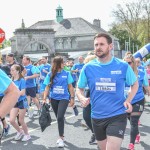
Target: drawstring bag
[(45, 117)]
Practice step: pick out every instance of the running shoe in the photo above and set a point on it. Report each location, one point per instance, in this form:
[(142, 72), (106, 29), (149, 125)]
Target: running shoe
[(18, 136), (92, 140), (131, 146), (60, 143), (6, 130), (137, 140), (26, 138)]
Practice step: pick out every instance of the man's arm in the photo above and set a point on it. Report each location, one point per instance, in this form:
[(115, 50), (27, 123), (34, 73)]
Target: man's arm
[(80, 94), (10, 98)]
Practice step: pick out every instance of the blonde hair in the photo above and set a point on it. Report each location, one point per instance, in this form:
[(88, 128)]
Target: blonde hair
[(89, 58), (134, 67)]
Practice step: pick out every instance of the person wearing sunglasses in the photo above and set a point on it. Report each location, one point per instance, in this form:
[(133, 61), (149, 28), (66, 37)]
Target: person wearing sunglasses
[(138, 100)]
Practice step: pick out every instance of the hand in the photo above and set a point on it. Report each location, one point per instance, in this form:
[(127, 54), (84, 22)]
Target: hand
[(128, 107), (85, 102), (77, 70), (71, 103)]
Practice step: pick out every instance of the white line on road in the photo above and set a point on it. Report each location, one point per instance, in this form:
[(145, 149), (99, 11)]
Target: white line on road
[(32, 130)]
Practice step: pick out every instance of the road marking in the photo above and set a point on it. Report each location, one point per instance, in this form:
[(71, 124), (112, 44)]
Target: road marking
[(32, 130)]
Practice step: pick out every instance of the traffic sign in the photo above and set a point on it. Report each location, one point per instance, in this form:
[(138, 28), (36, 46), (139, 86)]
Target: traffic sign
[(2, 36)]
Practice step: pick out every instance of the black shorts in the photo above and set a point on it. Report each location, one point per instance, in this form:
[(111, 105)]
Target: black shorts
[(138, 107), (22, 104), (113, 126), (31, 92)]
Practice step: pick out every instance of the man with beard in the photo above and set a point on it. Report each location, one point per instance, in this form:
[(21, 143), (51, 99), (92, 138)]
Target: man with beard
[(106, 77)]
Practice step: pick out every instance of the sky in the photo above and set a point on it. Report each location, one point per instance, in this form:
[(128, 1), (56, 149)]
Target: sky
[(13, 11)]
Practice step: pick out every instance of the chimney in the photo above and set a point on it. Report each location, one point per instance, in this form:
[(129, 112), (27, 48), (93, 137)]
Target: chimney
[(97, 23)]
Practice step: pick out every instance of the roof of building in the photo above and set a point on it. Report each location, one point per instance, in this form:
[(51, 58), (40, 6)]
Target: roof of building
[(69, 27)]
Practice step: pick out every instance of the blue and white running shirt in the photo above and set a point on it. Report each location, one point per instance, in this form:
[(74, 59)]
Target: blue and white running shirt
[(106, 83), (59, 89)]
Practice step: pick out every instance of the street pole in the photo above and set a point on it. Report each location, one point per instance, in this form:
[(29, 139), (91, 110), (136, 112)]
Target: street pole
[(133, 48)]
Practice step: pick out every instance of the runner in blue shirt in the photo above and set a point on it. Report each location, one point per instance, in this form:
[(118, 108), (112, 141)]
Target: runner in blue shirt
[(106, 77), (10, 90), (59, 84), (21, 105), (32, 72), (44, 70), (77, 67), (137, 102)]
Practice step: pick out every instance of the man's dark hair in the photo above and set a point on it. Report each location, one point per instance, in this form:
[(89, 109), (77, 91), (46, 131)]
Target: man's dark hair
[(108, 38)]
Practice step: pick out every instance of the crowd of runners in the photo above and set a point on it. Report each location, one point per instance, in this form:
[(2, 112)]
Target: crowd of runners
[(110, 90)]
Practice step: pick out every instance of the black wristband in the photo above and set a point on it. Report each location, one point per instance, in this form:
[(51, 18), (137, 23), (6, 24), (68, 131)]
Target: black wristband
[(72, 97)]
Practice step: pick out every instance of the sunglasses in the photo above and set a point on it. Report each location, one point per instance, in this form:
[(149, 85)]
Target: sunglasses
[(130, 63)]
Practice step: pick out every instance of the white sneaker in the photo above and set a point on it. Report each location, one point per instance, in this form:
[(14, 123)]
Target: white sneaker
[(18, 136), (31, 111), (26, 138), (60, 143)]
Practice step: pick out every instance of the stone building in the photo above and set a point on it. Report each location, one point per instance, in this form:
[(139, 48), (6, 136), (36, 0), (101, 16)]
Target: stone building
[(65, 36)]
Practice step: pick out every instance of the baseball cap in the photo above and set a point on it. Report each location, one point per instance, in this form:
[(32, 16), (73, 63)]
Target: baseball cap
[(10, 54)]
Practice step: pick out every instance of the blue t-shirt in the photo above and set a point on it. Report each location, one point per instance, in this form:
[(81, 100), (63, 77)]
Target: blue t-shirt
[(106, 83), (46, 67), (59, 89), (5, 81), (142, 80), (79, 67), (21, 84), (30, 71)]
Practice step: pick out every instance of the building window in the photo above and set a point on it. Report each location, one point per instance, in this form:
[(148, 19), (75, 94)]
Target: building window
[(73, 43), (36, 47), (59, 43)]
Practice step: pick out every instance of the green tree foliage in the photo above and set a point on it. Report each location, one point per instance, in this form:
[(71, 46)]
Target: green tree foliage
[(5, 44), (132, 23)]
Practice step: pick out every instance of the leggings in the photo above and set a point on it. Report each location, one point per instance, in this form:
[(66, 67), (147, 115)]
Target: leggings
[(87, 116), (134, 117), (87, 111), (59, 108)]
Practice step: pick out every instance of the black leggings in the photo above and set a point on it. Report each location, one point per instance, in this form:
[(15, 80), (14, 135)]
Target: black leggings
[(59, 108), (87, 111), (87, 116), (134, 117)]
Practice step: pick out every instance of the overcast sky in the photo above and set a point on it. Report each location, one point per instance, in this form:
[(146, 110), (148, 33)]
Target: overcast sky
[(12, 12)]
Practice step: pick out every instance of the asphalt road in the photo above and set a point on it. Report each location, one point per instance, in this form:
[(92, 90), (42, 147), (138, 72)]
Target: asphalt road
[(76, 136)]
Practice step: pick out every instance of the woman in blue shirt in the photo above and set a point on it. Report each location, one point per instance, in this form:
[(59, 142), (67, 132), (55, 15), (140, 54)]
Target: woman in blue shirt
[(21, 105), (137, 102), (59, 84)]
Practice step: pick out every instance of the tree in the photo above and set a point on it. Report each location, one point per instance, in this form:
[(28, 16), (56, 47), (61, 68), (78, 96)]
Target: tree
[(135, 18), (125, 40)]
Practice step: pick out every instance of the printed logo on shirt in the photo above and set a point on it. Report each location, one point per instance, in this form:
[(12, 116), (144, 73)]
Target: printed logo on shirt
[(58, 90), (64, 76), (116, 72)]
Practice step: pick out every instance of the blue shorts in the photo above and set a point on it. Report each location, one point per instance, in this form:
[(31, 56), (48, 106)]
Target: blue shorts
[(23, 104), (31, 92)]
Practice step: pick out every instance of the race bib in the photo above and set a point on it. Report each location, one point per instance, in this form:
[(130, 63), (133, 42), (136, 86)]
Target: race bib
[(58, 90), (105, 85)]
